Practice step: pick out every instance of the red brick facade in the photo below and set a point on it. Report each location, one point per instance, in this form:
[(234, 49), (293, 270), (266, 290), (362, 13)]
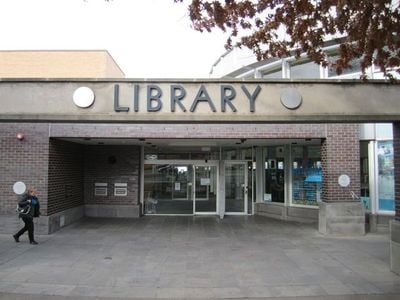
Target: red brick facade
[(56, 168), (23, 160), (340, 154), (65, 186), (112, 164)]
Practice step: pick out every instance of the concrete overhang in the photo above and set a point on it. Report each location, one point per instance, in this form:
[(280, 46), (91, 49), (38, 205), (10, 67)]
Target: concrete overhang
[(200, 100)]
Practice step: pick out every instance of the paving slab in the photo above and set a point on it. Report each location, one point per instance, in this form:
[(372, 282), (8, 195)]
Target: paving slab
[(196, 258)]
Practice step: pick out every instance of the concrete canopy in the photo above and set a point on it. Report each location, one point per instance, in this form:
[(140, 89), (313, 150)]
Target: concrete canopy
[(184, 100)]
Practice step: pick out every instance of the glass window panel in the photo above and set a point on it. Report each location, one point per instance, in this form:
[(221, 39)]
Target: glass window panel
[(305, 70), (275, 74), (235, 187), (364, 172), (274, 185), (166, 155), (167, 189), (384, 131), (206, 188), (237, 154), (180, 154), (306, 175), (355, 67), (385, 176)]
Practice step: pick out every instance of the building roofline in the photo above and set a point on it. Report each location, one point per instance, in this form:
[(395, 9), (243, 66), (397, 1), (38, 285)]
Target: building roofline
[(69, 50), (199, 80), (237, 72)]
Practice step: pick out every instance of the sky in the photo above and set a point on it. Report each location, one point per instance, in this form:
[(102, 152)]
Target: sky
[(147, 38)]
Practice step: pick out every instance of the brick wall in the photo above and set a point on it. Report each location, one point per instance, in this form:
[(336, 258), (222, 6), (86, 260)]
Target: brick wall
[(396, 147), (25, 160), (340, 154), (65, 186), (112, 164)]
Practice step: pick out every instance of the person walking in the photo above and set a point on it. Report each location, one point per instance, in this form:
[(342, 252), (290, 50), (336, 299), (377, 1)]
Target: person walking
[(29, 198)]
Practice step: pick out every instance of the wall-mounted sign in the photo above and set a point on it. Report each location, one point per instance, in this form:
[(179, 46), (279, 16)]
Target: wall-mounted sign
[(100, 189), (198, 101), (204, 181), (178, 98), (121, 189), (344, 180), (151, 157)]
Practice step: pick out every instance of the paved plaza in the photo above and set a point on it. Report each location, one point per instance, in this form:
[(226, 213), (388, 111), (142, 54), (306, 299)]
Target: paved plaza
[(196, 257)]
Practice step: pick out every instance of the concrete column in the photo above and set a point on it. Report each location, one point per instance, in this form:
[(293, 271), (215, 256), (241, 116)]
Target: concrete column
[(341, 211), (395, 224)]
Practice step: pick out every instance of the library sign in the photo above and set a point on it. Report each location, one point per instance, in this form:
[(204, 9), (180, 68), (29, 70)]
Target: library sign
[(198, 101), (155, 98)]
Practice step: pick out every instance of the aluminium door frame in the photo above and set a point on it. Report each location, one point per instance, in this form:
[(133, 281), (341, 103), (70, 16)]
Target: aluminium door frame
[(212, 163), (246, 189), (191, 163)]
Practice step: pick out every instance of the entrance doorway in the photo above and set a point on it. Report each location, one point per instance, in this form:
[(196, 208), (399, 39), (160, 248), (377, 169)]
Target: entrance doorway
[(180, 188), (188, 178), (205, 189), (236, 187)]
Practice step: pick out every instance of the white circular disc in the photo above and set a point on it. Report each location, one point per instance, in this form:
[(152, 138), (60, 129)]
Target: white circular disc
[(344, 180), (83, 97), (19, 187), (291, 98)]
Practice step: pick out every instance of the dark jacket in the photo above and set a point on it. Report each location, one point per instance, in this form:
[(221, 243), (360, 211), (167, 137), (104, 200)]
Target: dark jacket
[(33, 202)]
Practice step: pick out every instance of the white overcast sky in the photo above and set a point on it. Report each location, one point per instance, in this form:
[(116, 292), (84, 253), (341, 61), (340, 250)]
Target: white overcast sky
[(147, 38)]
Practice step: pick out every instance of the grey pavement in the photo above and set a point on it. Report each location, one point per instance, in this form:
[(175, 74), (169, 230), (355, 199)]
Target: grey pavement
[(196, 257)]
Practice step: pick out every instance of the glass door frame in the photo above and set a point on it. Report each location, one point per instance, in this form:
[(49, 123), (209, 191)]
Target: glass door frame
[(211, 163), (246, 188), (287, 178), (193, 164)]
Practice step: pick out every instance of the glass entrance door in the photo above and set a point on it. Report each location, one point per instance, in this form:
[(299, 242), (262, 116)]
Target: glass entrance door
[(173, 188), (167, 189), (205, 189), (236, 188)]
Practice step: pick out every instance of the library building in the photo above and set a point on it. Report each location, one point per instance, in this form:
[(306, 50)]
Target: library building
[(284, 139)]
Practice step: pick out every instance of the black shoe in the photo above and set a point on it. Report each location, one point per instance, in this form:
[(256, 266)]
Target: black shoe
[(34, 243), (16, 238)]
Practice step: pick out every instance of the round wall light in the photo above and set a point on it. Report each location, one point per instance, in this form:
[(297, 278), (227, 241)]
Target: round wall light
[(83, 97), (20, 136)]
